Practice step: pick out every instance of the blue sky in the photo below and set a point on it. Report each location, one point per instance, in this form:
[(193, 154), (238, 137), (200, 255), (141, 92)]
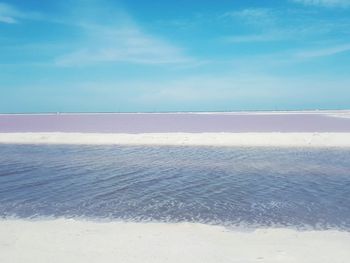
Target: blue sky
[(103, 55)]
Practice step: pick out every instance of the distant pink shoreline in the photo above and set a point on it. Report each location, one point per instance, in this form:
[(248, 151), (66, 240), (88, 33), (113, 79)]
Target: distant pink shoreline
[(134, 123)]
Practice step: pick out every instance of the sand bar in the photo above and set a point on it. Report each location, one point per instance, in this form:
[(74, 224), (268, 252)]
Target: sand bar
[(183, 139), (64, 240)]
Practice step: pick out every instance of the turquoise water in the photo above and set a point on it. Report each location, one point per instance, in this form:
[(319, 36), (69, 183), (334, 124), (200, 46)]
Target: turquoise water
[(302, 188)]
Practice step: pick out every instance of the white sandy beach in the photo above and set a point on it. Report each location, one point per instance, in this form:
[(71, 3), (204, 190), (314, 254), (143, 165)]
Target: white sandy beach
[(184, 139), (64, 240)]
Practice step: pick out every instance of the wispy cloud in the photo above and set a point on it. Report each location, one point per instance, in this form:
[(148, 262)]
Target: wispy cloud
[(253, 16), (102, 35), (126, 43), (261, 23), (324, 52), (8, 14), (236, 91), (11, 15), (269, 25), (325, 3), (117, 39), (262, 37)]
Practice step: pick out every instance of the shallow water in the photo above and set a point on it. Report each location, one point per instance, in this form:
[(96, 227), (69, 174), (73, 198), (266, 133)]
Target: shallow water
[(302, 188)]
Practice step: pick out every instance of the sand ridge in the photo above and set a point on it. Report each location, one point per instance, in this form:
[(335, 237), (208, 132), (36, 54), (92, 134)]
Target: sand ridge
[(183, 139)]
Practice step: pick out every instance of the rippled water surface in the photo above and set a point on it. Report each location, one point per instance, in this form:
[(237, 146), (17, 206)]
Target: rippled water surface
[(233, 186)]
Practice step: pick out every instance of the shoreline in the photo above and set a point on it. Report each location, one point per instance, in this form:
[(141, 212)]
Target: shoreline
[(182, 139), (69, 240)]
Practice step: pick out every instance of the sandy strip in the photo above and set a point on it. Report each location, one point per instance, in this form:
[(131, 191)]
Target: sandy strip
[(78, 241), (184, 139)]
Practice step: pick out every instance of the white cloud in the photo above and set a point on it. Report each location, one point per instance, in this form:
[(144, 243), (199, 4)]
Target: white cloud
[(253, 16), (7, 19), (120, 39), (11, 15), (233, 91), (126, 43), (103, 35), (325, 3), (265, 25), (295, 24), (270, 36), (249, 13), (324, 52), (8, 14)]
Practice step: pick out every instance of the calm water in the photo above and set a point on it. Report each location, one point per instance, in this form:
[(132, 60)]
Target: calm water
[(232, 186), (173, 122)]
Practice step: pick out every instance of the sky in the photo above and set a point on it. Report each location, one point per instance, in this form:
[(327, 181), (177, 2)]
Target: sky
[(160, 55)]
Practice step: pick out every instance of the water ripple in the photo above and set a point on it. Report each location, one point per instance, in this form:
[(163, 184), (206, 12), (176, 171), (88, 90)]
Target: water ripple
[(231, 186)]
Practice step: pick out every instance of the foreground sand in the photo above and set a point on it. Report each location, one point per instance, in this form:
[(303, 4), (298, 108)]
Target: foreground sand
[(67, 241), (184, 139)]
